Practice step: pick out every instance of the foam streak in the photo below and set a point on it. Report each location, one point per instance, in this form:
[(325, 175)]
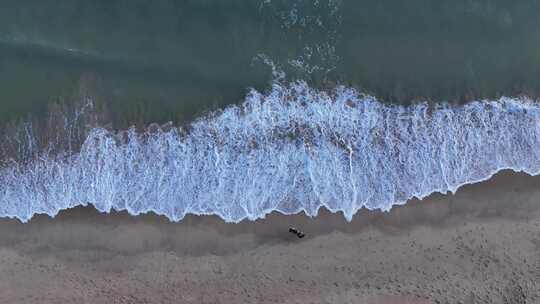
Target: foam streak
[(290, 150)]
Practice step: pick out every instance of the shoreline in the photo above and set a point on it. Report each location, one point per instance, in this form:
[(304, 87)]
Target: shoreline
[(420, 252)]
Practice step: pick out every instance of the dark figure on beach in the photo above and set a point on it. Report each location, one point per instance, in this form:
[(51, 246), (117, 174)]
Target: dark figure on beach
[(299, 234)]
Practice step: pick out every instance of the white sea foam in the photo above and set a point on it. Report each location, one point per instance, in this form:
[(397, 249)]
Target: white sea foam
[(292, 149)]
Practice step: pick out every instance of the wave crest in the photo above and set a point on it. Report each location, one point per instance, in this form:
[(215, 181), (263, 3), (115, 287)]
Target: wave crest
[(292, 149)]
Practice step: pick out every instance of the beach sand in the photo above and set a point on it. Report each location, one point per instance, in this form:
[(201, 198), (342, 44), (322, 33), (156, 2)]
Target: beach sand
[(481, 245)]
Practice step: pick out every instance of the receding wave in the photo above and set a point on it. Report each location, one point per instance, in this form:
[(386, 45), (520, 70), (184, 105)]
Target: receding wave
[(291, 149)]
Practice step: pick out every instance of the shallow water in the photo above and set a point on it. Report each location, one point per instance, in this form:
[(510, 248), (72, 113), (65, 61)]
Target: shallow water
[(170, 60)]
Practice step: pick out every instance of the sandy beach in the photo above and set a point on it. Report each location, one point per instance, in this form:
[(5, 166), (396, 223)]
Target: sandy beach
[(478, 246)]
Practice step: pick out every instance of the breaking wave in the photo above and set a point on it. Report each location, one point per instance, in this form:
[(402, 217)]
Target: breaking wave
[(291, 149)]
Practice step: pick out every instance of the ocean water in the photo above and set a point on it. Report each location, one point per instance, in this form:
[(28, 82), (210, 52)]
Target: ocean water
[(282, 106)]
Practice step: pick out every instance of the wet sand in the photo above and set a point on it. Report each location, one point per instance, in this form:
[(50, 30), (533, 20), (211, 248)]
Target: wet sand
[(481, 245)]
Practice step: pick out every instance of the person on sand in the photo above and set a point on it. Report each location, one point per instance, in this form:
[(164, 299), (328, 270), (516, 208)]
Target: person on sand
[(298, 233)]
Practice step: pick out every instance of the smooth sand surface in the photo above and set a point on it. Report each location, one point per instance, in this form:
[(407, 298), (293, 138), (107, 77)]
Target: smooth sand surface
[(481, 245)]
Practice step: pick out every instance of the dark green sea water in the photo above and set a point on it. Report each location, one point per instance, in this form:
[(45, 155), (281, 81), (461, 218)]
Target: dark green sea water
[(174, 60), (291, 147)]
